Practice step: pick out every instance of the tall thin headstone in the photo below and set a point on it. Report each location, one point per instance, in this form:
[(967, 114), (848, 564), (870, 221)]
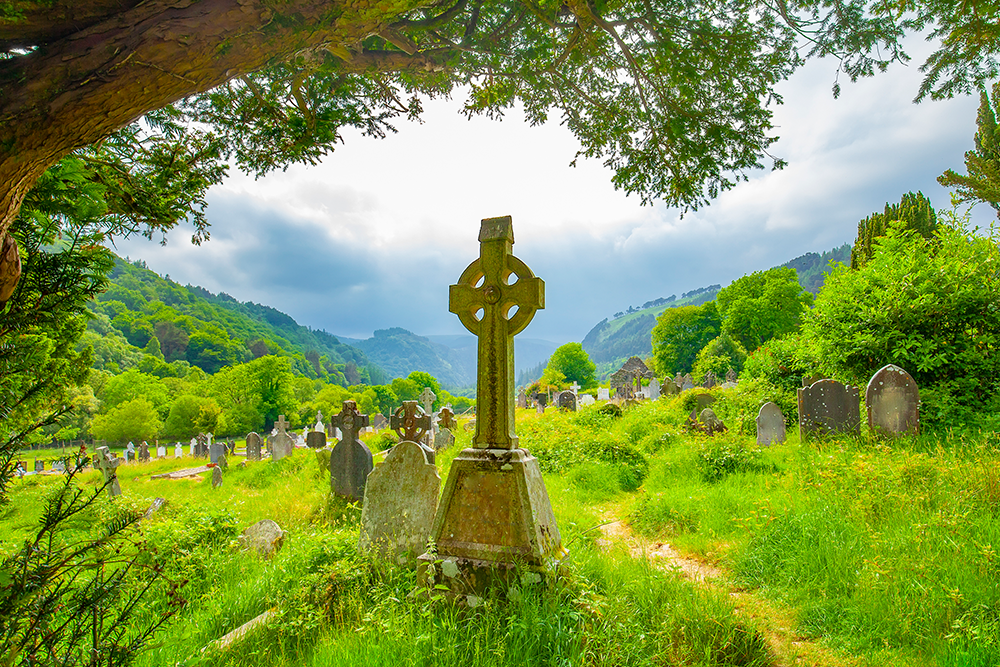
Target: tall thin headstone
[(350, 460), (893, 402), (828, 406), (522, 399), (495, 508)]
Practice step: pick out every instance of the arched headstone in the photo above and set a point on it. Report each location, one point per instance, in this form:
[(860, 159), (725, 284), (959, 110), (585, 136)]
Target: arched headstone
[(893, 402), (827, 407), (770, 425)]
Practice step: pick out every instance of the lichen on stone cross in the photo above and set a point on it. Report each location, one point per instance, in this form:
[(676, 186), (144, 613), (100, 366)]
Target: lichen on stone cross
[(349, 421), (427, 397), (410, 422), (107, 465), (446, 418), (484, 300)]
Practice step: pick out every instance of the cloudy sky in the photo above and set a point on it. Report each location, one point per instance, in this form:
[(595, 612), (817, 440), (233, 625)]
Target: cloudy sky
[(373, 237)]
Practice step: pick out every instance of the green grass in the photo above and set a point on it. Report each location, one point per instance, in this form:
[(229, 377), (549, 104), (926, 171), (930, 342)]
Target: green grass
[(886, 552)]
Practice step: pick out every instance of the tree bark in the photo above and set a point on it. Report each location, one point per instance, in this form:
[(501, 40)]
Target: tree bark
[(80, 88)]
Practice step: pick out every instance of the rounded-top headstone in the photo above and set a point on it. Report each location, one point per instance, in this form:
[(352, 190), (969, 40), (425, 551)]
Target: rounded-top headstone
[(770, 425), (893, 402), (265, 537)]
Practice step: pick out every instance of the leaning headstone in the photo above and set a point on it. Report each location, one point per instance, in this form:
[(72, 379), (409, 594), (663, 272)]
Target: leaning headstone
[(411, 423), (566, 400), (893, 402), (216, 450), (654, 389), (494, 515), (223, 462), (379, 422), (106, 464), (350, 460), (154, 507), (522, 399), (603, 394), (316, 440), (827, 407), (401, 495), (281, 442), (712, 423), (216, 477), (770, 425), (265, 537), (253, 446)]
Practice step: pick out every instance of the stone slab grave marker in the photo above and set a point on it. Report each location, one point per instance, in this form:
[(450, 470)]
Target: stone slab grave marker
[(731, 376), (587, 399), (379, 421), (828, 406), (216, 477), (144, 452), (522, 398), (178, 450), (316, 439), (193, 446), (703, 401), (161, 451), (566, 400), (669, 387), (253, 446), (603, 394), (265, 537), (710, 380), (201, 446), (281, 442), (654, 389), (106, 464), (216, 450), (129, 454), (410, 423), (893, 402), (400, 503), (495, 512), (687, 382), (39, 465), (770, 425), (350, 460)]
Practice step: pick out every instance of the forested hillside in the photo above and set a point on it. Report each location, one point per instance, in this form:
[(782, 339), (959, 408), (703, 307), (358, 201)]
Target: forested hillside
[(161, 327), (813, 268), (400, 352)]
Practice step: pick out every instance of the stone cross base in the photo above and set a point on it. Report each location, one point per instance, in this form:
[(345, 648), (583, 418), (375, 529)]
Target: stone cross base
[(495, 512)]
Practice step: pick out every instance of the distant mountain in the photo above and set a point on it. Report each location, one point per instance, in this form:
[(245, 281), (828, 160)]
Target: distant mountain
[(611, 342), (142, 312)]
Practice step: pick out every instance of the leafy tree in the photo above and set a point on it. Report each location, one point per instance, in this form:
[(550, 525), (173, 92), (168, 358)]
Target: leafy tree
[(134, 420), (983, 163), (423, 379), (406, 389), (385, 400), (189, 416), (254, 394), (673, 97), (552, 380), (173, 340), (679, 335), (575, 365), (927, 305), (720, 354), (914, 210), (135, 384), (762, 306)]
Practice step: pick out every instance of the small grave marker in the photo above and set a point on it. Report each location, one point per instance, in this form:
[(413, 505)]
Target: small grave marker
[(410, 423), (281, 442), (770, 425)]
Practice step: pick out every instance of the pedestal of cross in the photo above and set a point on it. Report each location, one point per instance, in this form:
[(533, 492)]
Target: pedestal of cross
[(411, 424), (350, 460), (495, 513)]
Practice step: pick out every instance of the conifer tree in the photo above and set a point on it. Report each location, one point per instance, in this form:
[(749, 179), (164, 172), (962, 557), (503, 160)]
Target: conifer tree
[(983, 181), (913, 209)]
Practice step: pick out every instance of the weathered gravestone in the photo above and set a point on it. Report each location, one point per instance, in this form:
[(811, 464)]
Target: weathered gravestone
[(587, 399), (178, 450), (107, 464), (216, 477), (770, 425), (540, 401), (193, 446), (669, 387), (144, 452), (216, 450), (161, 451), (253, 446), (654, 389), (687, 382), (281, 442), (223, 462), (379, 421), (522, 399), (410, 423), (427, 398), (59, 466), (731, 376), (603, 394), (893, 402), (828, 407), (445, 426), (350, 460), (495, 513), (39, 465), (316, 439), (703, 401), (711, 421), (566, 400), (129, 454), (710, 380), (400, 502), (265, 537), (201, 446)]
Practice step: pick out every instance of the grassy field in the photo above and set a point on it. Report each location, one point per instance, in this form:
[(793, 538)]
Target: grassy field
[(878, 553)]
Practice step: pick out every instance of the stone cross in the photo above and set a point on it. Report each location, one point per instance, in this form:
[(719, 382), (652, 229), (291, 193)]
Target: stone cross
[(446, 418), (281, 424), (427, 398), (411, 424), (575, 388), (485, 287), (107, 466), (350, 460)]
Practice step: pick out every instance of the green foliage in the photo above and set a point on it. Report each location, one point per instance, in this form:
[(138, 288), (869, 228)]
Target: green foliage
[(679, 335), (982, 184), (252, 395), (914, 211), (724, 455), (927, 306), (812, 268), (719, 355), (781, 362), (574, 364), (135, 419), (762, 306), (134, 384)]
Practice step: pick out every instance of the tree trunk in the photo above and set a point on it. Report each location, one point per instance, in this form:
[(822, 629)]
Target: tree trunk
[(77, 90)]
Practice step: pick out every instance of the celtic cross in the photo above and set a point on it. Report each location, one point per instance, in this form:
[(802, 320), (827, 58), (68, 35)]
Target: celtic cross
[(494, 307), (427, 397), (410, 422), (349, 421), (446, 418)]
